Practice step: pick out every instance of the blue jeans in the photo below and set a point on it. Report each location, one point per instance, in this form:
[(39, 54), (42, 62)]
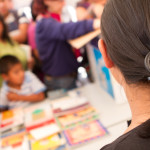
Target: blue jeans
[(66, 83)]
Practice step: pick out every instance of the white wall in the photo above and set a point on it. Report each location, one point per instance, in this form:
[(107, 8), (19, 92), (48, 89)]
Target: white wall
[(21, 3), (72, 2), (24, 3)]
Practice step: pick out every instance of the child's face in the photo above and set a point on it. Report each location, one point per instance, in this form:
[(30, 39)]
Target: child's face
[(16, 75)]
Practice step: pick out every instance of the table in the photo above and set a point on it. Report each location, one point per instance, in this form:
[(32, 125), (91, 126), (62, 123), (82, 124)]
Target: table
[(112, 115)]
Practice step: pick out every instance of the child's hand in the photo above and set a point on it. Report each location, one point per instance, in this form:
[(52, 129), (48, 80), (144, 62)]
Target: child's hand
[(13, 96)]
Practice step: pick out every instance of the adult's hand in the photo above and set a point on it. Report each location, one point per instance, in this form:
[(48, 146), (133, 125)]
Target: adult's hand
[(96, 24)]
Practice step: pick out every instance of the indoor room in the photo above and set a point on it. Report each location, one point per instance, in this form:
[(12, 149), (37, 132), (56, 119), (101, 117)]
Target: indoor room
[(74, 74)]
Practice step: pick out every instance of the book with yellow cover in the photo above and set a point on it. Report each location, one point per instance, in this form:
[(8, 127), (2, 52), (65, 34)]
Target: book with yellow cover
[(49, 143)]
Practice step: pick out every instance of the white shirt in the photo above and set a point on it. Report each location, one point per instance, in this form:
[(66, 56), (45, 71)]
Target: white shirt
[(31, 85)]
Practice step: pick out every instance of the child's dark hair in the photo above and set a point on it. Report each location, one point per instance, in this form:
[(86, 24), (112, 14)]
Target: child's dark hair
[(125, 27), (7, 62), (5, 35)]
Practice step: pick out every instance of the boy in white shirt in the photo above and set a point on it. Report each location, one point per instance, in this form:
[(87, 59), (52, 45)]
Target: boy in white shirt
[(19, 88)]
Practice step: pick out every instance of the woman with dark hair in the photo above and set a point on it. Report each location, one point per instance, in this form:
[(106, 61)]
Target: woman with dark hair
[(125, 46), (9, 47), (37, 8), (58, 60), (16, 21), (3, 31)]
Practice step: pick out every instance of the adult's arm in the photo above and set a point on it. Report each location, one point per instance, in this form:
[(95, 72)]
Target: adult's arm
[(52, 30), (21, 35)]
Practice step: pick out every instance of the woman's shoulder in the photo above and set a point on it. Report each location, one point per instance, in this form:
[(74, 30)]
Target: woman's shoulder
[(118, 144), (136, 139)]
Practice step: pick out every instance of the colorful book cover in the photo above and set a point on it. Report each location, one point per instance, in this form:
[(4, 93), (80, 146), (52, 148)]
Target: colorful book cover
[(83, 133), (23, 146), (77, 117), (10, 119), (51, 142), (12, 131), (37, 116), (16, 139)]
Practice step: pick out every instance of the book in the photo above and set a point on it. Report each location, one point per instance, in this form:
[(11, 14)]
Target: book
[(82, 116), (52, 142), (45, 131), (12, 131), (17, 140), (68, 105), (84, 133), (40, 122), (38, 116), (23, 146), (14, 140), (10, 119)]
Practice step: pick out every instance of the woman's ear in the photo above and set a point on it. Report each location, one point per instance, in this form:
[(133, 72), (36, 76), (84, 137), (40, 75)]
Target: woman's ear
[(108, 62)]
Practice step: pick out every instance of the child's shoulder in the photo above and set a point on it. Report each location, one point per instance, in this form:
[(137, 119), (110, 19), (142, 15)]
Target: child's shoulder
[(29, 73), (29, 76), (5, 86)]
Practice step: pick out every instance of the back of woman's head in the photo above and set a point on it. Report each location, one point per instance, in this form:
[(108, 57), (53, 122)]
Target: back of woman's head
[(4, 35), (125, 29), (38, 7)]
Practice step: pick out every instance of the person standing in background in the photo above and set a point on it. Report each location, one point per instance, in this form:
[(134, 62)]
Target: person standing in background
[(9, 47), (16, 21), (87, 9), (58, 61), (82, 10), (36, 9)]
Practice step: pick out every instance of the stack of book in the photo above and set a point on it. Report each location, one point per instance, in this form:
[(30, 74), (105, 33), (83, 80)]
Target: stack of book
[(12, 130), (78, 120), (43, 131)]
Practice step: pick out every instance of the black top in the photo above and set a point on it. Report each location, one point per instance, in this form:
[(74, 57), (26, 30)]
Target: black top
[(136, 139)]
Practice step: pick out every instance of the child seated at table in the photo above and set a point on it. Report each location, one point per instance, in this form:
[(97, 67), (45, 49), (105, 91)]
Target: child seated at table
[(19, 88)]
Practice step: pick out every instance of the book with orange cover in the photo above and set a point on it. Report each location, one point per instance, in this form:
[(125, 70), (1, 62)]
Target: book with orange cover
[(10, 119), (84, 133)]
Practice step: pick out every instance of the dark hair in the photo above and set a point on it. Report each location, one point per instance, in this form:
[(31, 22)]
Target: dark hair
[(38, 7), (7, 62), (5, 35), (125, 27)]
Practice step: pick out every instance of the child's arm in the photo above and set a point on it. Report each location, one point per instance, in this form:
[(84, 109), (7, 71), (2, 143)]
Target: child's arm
[(30, 98)]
